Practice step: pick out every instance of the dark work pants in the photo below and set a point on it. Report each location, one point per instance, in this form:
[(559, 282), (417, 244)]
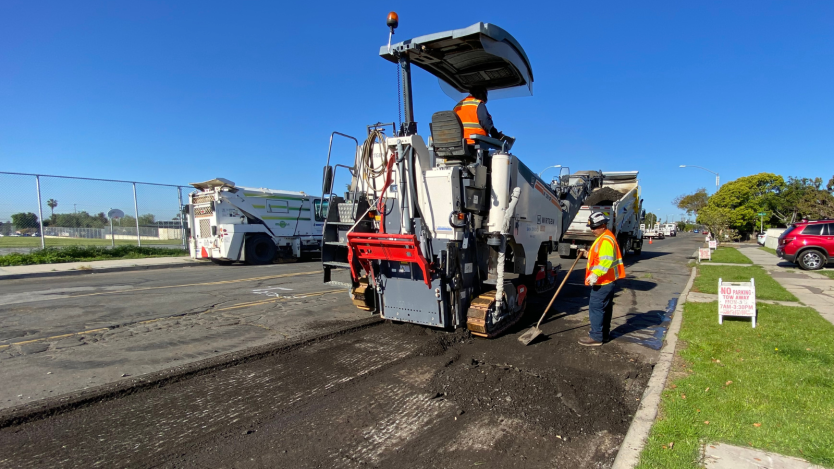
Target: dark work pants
[(600, 309)]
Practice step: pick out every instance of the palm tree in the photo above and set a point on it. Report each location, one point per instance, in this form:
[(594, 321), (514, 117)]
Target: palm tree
[(52, 203)]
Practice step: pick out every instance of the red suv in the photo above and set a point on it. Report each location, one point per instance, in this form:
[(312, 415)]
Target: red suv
[(808, 243)]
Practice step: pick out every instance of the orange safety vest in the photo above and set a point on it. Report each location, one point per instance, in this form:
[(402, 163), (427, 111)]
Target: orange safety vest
[(467, 110), (617, 269)]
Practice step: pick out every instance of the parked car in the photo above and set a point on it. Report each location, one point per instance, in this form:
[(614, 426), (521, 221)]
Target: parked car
[(760, 238), (695, 231), (809, 244)]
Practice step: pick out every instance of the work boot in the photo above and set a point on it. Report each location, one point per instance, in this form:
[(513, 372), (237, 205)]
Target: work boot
[(589, 342)]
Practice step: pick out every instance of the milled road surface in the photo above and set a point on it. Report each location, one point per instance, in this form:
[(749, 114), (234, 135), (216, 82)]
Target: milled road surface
[(392, 395)]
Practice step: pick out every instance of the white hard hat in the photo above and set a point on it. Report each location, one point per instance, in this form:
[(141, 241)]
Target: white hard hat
[(597, 219)]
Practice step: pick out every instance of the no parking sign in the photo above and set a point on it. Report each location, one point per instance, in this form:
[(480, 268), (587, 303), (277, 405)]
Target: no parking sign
[(737, 299)]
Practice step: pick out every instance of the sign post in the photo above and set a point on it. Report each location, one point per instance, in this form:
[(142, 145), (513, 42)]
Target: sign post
[(713, 244), (761, 221), (704, 253), (737, 299)]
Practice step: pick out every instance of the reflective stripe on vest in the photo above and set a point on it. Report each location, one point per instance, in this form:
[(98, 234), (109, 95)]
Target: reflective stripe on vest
[(467, 111), (617, 269)]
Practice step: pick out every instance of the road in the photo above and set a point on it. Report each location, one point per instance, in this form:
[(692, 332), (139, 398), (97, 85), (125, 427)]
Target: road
[(60, 334), (389, 395)]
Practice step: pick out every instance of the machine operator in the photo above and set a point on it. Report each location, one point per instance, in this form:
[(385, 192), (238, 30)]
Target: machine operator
[(605, 266), (473, 114)]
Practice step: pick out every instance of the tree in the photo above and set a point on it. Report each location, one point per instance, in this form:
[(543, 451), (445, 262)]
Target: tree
[(692, 203), (52, 203), (144, 220), (81, 219), (736, 205), (681, 226), (650, 219), (717, 220), (25, 220), (804, 198)]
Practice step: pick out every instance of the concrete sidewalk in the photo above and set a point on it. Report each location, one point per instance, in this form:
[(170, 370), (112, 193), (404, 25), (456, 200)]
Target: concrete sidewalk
[(75, 268), (812, 289)]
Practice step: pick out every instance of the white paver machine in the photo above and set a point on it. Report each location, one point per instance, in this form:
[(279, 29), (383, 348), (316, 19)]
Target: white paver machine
[(439, 231)]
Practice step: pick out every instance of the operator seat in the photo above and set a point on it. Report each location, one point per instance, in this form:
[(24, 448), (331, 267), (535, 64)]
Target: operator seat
[(449, 142)]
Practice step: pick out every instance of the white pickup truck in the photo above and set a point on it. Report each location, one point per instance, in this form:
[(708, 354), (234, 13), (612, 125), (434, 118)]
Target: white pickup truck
[(655, 231), (229, 223)]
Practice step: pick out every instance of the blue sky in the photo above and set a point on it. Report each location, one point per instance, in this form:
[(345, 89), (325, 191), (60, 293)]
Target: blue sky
[(176, 92)]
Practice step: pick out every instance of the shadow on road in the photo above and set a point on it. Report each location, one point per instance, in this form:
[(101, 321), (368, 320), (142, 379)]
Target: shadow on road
[(632, 259), (639, 321)]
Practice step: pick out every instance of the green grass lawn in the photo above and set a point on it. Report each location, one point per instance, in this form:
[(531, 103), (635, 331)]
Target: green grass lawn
[(827, 273), (87, 253), (729, 256), (766, 287), (772, 251), (771, 387), (35, 242)]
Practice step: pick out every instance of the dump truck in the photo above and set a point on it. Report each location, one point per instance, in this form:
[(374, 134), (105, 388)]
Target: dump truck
[(453, 230), (617, 195), (229, 223)]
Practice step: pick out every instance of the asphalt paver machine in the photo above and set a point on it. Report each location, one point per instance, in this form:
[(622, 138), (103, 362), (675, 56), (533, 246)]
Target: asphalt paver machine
[(437, 231)]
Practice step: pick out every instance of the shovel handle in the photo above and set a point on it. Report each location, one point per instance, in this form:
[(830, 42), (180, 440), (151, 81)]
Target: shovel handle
[(557, 291)]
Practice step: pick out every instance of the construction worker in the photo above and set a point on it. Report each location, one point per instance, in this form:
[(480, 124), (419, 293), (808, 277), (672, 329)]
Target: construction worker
[(474, 116), (605, 266)]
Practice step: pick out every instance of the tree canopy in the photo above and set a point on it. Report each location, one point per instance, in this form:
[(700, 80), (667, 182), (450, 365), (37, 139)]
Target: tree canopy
[(804, 198), (736, 205), (692, 203), (25, 220)]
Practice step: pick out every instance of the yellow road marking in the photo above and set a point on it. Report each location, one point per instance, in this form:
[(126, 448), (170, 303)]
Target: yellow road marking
[(62, 336), (190, 285), (236, 306)]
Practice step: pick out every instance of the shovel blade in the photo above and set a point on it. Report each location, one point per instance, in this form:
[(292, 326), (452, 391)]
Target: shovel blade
[(530, 335)]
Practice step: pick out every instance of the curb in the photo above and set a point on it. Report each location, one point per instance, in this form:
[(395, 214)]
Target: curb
[(74, 400), (101, 270), (638, 433)]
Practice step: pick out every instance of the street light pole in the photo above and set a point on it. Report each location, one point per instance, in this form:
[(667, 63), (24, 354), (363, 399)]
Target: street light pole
[(717, 177)]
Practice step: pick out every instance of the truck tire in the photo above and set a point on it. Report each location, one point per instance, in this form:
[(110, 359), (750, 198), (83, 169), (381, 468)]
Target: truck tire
[(622, 241), (638, 247), (260, 250)]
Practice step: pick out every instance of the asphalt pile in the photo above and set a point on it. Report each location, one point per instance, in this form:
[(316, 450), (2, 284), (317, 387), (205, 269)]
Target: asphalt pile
[(603, 196)]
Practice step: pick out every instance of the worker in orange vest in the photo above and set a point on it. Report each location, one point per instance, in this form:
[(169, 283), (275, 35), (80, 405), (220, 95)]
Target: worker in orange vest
[(474, 116), (605, 266)]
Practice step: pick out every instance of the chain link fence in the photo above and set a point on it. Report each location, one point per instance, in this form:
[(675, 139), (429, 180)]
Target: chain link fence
[(38, 211)]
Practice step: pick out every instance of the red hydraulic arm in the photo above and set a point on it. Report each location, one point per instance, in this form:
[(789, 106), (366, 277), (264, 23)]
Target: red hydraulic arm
[(365, 247)]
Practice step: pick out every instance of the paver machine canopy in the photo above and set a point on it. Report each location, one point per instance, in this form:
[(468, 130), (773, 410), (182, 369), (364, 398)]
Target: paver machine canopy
[(479, 55)]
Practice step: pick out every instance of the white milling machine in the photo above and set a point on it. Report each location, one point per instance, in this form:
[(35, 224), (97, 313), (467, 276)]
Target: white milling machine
[(445, 234)]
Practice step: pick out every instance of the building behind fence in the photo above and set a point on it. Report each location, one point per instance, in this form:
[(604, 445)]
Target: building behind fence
[(39, 211)]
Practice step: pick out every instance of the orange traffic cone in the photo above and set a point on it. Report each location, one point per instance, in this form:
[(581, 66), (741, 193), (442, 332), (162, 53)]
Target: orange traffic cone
[(650, 240)]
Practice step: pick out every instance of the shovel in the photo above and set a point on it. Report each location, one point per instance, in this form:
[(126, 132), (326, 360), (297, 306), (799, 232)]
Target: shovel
[(534, 332)]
